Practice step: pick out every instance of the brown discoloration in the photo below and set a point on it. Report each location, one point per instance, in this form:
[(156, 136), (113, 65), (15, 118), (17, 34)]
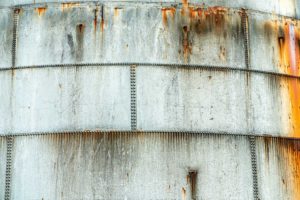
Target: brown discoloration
[(102, 19), (222, 54), (204, 20), (80, 28), (168, 13), (79, 40), (267, 144), (285, 34), (68, 5), (41, 10), (288, 152), (116, 11), (192, 181), (17, 10), (193, 22), (187, 46), (95, 19)]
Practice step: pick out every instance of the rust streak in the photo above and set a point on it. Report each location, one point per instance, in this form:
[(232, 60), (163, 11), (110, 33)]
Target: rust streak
[(68, 5), (41, 10), (289, 62), (102, 19), (166, 12), (187, 48), (95, 19), (290, 158), (192, 181)]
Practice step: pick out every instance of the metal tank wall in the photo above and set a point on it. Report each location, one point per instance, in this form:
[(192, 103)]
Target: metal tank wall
[(149, 100)]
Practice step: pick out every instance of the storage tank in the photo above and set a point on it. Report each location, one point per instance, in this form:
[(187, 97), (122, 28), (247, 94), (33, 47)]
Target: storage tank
[(149, 99)]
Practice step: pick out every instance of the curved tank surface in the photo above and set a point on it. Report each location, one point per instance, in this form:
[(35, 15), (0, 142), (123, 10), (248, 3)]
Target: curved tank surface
[(150, 99)]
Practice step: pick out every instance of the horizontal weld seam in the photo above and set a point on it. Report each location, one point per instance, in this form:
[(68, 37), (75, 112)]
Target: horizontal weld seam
[(187, 66)]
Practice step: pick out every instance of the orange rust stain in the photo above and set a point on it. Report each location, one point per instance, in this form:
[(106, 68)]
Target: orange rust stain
[(166, 12), (294, 94), (41, 10), (289, 62), (68, 5), (205, 19), (290, 150), (185, 5)]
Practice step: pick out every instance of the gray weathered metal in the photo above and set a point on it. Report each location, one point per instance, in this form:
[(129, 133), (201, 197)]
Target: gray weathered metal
[(149, 100)]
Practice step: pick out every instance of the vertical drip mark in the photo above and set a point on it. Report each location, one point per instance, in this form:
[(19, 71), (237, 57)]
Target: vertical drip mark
[(9, 147), (192, 181), (252, 141), (133, 96)]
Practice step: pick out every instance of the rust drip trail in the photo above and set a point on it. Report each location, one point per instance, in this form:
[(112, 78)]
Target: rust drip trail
[(199, 21), (95, 19), (168, 13), (41, 10), (192, 181), (187, 47), (79, 39), (102, 19)]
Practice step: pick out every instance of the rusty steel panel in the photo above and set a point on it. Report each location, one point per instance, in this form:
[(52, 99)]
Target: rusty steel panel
[(278, 42), (2, 166), (130, 33), (278, 168), (62, 99), (6, 37), (131, 166), (275, 105), (283, 7), (191, 100)]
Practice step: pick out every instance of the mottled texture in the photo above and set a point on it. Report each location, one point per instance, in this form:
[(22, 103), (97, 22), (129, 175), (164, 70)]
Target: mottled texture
[(131, 166), (278, 168), (60, 99), (6, 37)]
